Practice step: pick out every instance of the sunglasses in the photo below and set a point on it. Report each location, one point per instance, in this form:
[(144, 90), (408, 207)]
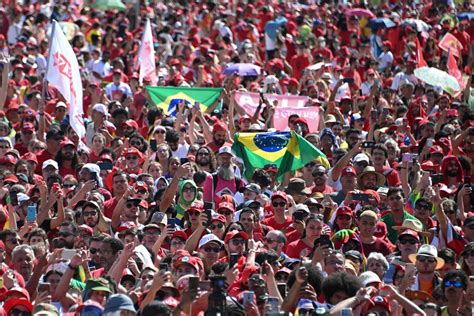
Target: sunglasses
[(65, 234), (225, 213), (214, 226), (280, 204), (160, 131), (130, 205), (93, 251), (269, 240), (319, 174), (425, 258), (408, 241), (188, 189), (17, 312), (136, 143), (211, 249), (237, 242), (91, 213), (456, 283), (132, 157), (143, 191), (193, 213), (68, 185)]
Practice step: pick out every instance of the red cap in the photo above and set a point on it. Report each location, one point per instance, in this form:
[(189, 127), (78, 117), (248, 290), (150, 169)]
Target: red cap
[(143, 203), (140, 185), (301, 120), (219, 127), (344, 210), (126, 226), (293, 82), (387, 44), (349, 170), (27, 126), (219, 218), (130, 123), (436, 150), (18, 290), (244, 117), (370, 71), (193, 261), (67, 142), (374, 194), (106, 157), (428, 165), (226, 205), (180, 234), (196, 206), (280, 194), (132, 151), (86, 229), (14, 302), (8, 159), (30, 157), (409, 232), (235, 233)]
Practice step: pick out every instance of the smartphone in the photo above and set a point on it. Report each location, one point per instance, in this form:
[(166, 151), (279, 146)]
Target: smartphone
[(348, 80), (44, 287), (233, 258), (272, 305), (368, 144), (105, 165), (204, 286), (323, 240), (164, 267), (467, 180), (282, 289), (208, 212), (373, 115), (208, 205), (153, 144), (429, 142), (437, 178), (196, 105), (389, 274), (248, 297), (13, 198), (471, 131), (31, 213), (385, 111), (171, 222), (68, 254), (94, 176), (193, 283), (407, 157), (410, 268), (363, 197)]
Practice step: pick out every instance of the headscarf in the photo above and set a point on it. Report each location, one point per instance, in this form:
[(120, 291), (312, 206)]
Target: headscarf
[(182, 204)]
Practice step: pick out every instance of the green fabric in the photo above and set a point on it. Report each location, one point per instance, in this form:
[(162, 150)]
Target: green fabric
[(388, 220), (471, 98), (182, 204), (77, 284), (109, 5), (287, 150), (162, 96)]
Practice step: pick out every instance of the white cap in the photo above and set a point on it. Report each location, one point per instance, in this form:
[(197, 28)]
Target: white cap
[(101, 108), (50, 162), (301, 207), (225, 150), (61, 104), (369, 277), (208, 238), (361, 157), (22, 197)]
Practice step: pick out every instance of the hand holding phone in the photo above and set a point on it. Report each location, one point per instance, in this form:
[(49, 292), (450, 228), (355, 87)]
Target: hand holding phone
[(31, 213)]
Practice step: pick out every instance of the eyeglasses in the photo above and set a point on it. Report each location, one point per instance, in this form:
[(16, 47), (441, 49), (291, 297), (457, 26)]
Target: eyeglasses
[(269, 240), (130, 205), (93, 251), (188, 189), (280, 204), (456, 283), (202, 153), (132, 158), (408, 241), (319, 174), (211, 249), (65, 234), (91, 213), (193, 213), (225, 213), (160, 131), (426, 258), (214, 226), (17, 312), (136, 144), (237, 242)]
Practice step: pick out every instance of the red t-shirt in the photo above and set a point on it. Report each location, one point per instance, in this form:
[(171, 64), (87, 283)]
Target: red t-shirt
[(379, 245), (109, 206), (42, 156), (298, 248), (299, 63), (278, 226)]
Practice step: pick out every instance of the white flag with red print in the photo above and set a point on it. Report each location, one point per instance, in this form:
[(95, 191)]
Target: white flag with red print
[(146, 56), (63, 73)]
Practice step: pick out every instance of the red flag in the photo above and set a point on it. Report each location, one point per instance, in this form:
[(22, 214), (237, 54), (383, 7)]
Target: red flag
[(419, 55), (450, 42), (453, 69)]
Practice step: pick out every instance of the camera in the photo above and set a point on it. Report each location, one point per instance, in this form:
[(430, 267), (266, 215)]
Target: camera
[(217, 304)]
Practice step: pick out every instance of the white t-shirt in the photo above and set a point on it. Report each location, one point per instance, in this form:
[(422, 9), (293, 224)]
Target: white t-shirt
[(400, 77), (384, 60), (102, 69), (116, 92)]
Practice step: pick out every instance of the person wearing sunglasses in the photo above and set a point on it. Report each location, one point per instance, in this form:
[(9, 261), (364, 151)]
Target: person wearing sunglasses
[(279, 220), (427, 262), (217, 226), (210, 247), (454, 286), (133, 161)]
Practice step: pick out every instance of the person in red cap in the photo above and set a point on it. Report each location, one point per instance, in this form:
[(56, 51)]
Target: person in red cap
[(28, 133), (385, 59), (219, 136), (133, 160), (279, 220), (67, 158), (129, 127)]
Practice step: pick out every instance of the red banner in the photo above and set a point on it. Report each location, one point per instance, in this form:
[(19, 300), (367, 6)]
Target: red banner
[(285, 105), (449, 42)]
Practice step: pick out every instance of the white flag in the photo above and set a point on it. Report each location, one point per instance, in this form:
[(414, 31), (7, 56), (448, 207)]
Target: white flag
[(63, 73), (146, 56)]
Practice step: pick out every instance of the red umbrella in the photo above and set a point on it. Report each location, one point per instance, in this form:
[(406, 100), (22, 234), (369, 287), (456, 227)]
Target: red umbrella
[(360, 12)]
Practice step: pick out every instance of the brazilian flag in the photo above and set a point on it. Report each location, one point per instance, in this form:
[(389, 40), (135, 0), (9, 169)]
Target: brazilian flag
[(168, 98), (287, 150)]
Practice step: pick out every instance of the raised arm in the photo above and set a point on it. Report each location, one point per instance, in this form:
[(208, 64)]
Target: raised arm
[(56, 221), (118, 209), (170, 192), (4, 84), (193, 240), (344, 161)]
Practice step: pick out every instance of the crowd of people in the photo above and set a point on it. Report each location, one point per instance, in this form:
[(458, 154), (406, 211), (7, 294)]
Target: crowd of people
[(151, 212)]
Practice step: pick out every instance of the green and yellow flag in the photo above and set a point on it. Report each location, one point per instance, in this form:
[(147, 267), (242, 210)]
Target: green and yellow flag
[(168, 98), (287, 150)]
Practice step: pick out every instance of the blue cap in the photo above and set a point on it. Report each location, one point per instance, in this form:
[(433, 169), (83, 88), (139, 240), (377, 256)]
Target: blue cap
[(119, 302)]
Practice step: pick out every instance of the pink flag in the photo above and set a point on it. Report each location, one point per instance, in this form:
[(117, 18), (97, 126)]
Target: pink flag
[(146, 56), (453, 69), (63, 73), (450, 42)]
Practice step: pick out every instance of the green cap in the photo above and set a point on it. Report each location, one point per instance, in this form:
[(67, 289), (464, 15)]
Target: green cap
[(99, 284), (46, 310)]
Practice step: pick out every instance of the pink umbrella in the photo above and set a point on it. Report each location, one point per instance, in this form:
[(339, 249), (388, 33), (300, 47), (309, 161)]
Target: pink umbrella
[(360, 12)]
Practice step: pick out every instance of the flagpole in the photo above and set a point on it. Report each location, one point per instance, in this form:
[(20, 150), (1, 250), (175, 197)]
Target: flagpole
[(43, 93)]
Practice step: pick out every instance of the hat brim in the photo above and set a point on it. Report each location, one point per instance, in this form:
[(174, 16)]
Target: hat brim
[(399, 228), (101, 288), (380, 177), (439, 261)]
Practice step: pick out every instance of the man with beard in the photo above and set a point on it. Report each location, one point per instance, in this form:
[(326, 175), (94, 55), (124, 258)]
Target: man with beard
[(95, 245), (23, 261), (53, 144), (369, 179), (67, 236), (119, 186), (320, 177), (67, 158), (108, 255), (452, 171), (219, 137), (205, 159), (276, 240), (249, 221), (224, 179), (90, 214)]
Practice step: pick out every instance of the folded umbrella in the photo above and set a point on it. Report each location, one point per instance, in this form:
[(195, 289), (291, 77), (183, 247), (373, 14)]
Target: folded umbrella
[(437, 77), (242, 70), (419, 25)]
